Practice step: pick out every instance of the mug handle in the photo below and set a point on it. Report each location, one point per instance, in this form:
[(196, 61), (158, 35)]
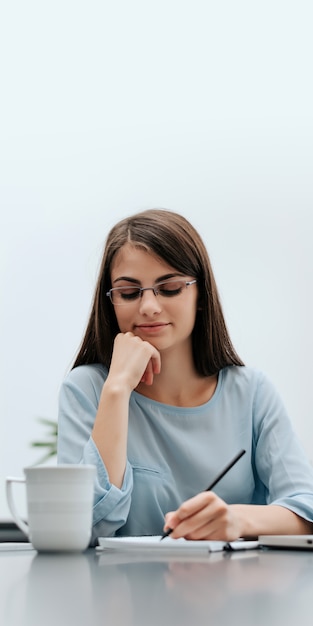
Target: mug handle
[(22, 525)]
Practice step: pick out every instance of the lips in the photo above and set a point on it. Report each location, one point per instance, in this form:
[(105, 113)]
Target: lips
[(155, 325), (152, 327)]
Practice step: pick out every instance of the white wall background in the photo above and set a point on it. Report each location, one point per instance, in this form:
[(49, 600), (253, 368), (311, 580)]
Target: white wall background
[(110, 107)]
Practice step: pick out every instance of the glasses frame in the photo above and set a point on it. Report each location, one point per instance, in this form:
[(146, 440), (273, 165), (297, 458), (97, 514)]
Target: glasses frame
[(155, 290)]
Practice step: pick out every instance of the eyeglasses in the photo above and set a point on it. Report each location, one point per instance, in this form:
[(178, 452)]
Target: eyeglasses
[(166, 289)]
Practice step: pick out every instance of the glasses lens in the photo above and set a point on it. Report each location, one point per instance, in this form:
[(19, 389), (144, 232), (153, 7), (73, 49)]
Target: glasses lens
[(170, 288), (167, 289), (123, 295)]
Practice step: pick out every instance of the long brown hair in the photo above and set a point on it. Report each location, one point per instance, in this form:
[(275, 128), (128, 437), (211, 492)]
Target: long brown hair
[(172, 238)]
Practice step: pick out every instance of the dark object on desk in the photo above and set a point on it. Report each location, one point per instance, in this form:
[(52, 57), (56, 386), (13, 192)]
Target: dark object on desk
[(9, 531)]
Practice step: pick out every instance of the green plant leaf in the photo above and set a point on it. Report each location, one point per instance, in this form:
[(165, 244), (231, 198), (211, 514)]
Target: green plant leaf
[(50, 442)]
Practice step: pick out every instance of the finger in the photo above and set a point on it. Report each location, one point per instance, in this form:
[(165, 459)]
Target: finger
[(136, 358), (186, 510), (194, 513), (195, 504), (156, 363), (209, 523), (148, 374), (168, 523), (153, 367)]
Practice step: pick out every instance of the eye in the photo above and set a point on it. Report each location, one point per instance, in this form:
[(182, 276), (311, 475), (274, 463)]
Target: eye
[(169, 289), (128, 293)]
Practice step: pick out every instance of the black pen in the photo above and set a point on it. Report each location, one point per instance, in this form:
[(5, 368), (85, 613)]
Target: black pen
[(215, 481)]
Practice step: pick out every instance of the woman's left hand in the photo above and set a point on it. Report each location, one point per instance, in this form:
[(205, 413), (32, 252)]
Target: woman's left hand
[(205, 516)]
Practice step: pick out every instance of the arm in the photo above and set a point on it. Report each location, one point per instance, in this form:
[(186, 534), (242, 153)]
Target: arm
[(85, 408), (133, 360), (206, 516), (283, 501), (270, 519), (78, 402)]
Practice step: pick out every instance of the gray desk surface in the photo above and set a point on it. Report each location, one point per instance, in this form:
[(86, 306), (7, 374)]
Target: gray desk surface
[(253, 588)]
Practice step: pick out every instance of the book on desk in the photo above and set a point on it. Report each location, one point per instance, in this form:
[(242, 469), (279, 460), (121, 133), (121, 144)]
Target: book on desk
[(168, 545)]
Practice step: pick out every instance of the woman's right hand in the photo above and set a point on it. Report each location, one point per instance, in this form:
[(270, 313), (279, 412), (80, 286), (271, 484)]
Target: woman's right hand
[(133, 361)]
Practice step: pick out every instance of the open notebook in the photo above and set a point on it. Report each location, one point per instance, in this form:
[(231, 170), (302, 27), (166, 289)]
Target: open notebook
[(169, 545)]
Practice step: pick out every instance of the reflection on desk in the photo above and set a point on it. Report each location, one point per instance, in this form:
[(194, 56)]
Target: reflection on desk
[(256, 587)]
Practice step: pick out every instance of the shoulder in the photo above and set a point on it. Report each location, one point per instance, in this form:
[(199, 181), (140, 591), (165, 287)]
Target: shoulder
[(252, 387), (248, 382), (244, 376), (86, 377)]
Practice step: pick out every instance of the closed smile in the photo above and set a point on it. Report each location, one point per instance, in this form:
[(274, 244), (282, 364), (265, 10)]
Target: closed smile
[(153, 326)]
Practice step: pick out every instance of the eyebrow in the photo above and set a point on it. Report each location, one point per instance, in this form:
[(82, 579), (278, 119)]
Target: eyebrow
[(138, 282)]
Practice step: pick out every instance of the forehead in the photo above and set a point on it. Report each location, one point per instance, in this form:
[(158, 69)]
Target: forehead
[(133, 260)]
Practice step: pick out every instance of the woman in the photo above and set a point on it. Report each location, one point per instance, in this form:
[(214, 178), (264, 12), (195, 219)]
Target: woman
[(159, 401)]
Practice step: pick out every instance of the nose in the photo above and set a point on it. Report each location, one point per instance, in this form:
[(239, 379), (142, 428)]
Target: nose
[(149, 302)]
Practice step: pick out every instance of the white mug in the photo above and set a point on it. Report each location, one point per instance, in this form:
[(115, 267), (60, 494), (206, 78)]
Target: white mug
[(59, 506)]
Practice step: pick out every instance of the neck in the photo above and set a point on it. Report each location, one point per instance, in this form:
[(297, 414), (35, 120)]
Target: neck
[(179, 385)]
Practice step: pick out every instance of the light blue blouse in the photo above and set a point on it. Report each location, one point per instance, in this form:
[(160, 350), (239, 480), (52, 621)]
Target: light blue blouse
[(174, 453)]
